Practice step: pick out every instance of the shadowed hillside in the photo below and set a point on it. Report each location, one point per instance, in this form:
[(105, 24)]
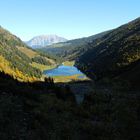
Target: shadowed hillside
[(116, 54), (44, 110)]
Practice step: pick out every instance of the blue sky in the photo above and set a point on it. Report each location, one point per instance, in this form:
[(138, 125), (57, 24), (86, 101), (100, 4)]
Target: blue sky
[(67, 18)]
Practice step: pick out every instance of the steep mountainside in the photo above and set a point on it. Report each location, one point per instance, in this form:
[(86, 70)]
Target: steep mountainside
[(73, 48), (44, 40), (116, 53), (17, 59)]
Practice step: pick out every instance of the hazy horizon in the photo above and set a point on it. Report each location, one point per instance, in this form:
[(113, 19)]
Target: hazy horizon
[(68, 19)]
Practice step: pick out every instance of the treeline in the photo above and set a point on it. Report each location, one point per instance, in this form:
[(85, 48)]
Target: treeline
[(40, 60)]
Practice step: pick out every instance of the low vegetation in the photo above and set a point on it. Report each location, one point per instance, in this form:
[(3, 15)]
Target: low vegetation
[(42, 67), (70, 78), (69, 63), (29, 52)]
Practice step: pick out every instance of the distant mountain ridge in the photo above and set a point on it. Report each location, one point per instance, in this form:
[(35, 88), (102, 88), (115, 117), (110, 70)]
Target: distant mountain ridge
[(44, 40), (72, 49)]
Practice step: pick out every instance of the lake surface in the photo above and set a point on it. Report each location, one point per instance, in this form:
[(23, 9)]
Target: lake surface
[(64, 71)]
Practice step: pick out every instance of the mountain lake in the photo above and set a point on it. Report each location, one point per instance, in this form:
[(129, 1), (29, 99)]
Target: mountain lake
[(65, 72)]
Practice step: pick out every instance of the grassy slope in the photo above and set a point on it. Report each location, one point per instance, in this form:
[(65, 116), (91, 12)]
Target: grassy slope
[(30, 53), (43, 67), (69, 63)]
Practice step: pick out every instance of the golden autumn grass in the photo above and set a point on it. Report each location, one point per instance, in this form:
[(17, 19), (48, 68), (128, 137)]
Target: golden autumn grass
[(42, 67), (63, 78), (30, 53), (15, 73), (69, 63)]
